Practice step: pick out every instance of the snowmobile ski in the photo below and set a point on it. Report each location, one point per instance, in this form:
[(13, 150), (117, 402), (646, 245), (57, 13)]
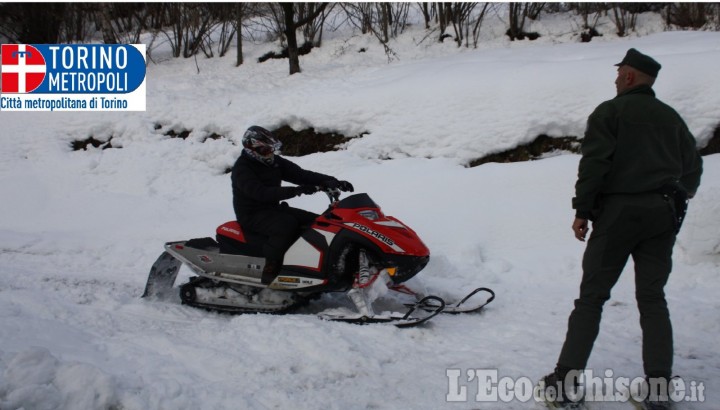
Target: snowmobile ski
[(406, 320), (462, 306)]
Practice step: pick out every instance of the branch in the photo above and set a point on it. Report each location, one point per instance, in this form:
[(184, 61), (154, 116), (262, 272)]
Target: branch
[(311, 17)]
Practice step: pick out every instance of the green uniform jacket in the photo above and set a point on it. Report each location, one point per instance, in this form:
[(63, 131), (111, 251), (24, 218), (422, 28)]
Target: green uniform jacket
[(634, 143)]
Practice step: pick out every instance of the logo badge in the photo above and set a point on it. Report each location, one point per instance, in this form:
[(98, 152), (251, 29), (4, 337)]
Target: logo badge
[(23, 68), (72, 77)]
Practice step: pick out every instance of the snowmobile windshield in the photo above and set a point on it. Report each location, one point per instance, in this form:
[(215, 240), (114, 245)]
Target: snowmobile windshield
[(357, 201)]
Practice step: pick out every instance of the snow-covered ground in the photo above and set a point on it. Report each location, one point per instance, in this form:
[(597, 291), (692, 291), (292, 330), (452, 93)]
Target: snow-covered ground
[(79, 230)]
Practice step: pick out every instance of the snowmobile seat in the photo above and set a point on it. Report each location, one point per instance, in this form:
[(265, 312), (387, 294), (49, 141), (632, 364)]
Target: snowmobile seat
[(236, 241), (207, 244)]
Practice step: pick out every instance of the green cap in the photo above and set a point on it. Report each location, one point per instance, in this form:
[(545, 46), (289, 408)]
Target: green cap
[(641, 62)]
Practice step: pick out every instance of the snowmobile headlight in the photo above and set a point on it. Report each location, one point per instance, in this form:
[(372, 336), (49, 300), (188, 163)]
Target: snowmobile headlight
[(370, 214)]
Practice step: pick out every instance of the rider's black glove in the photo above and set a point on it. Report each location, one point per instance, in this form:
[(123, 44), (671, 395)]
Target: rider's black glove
[(345, 186), (330, 184), (306, 189), (335, 184)]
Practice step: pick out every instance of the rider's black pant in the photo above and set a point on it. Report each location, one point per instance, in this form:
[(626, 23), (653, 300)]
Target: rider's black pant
[(282, 225)]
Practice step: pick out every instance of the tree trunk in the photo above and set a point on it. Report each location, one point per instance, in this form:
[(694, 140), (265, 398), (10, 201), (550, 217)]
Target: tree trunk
[(238, 16), (291, 27), (426, 15), (291, 36), (104, 23)]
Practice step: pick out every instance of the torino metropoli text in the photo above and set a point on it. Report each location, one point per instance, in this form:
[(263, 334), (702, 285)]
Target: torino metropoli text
[(107, 65)]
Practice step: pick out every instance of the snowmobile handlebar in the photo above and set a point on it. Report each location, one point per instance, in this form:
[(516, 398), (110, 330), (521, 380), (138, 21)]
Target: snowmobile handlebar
[(332, 193)]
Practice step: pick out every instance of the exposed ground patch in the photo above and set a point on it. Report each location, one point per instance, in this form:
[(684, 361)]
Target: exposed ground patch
[(309, 141), (542, 145), (545, 144), (79, 145), (295, 143), (302, 50), (713, 146)]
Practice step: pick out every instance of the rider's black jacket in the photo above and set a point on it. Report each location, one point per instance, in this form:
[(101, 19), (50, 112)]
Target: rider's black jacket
[(257, 185)]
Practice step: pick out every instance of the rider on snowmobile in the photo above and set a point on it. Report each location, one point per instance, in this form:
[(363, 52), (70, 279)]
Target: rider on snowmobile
[(257, 192)]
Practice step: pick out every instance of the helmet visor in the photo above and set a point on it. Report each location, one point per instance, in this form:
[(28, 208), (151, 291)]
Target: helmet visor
[(263, 148)]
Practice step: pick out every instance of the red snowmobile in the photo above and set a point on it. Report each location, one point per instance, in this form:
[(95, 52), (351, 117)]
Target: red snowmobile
[(351, 248)]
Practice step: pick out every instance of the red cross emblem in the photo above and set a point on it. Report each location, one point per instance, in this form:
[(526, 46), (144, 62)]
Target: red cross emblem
[(23, 68)]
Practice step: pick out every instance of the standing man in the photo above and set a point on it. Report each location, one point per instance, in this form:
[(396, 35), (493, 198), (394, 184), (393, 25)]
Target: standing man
[(639, 165)]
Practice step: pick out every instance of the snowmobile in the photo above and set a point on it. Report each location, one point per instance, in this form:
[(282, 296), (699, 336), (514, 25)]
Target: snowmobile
[(352, 248)]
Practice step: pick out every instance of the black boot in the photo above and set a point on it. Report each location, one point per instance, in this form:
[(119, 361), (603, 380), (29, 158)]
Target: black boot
[(558, 392), (270, 271), (658, 397)]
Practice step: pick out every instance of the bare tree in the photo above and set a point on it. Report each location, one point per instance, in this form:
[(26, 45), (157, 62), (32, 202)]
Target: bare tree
[(534, 9), (424, 7), (291, 27), (104, 23), (442, 13), (189, 28), (459, 15), (587, 9), (384, 20), (624, 16), (360, 15), (174, 13), (688, 15), (313, 30), (198, 24), (239, 14), (30, 24), (518, 14), (478, 23), (590, 14), (463, 17), (122, 23)]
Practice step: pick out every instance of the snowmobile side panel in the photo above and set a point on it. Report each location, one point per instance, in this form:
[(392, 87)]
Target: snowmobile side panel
[(301, 253), (209, 262), (308, 251), (241, 269)]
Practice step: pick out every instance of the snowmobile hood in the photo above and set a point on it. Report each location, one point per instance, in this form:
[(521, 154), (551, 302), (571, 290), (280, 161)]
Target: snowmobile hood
[(360, 214)]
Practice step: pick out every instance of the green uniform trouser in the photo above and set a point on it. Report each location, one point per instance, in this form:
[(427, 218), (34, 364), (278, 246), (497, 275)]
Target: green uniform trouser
[(640, 225)]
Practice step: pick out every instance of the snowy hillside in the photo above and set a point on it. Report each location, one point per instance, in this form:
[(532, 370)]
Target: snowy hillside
[(79, 230)]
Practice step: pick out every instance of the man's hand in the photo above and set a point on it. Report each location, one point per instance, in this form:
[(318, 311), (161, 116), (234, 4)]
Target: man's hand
[(306, 189), (344, 186), (580, 227)]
